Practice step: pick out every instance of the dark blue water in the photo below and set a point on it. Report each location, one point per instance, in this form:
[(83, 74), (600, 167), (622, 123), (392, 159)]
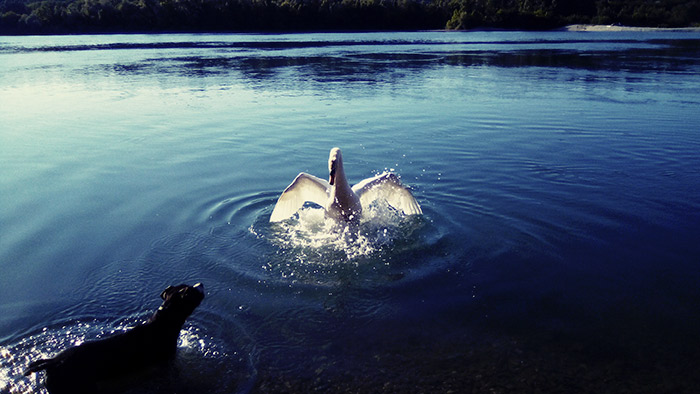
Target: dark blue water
[(559, 176)]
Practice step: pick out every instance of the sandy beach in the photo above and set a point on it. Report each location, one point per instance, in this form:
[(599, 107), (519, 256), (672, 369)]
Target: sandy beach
[(609, 28)]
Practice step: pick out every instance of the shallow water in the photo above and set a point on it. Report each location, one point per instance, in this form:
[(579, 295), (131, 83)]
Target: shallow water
[(558, 174)]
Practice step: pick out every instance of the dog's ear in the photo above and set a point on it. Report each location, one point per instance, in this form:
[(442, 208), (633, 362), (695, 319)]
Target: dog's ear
[(165, 292)]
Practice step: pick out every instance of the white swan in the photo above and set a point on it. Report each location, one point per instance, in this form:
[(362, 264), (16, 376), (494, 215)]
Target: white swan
[(340, 200)]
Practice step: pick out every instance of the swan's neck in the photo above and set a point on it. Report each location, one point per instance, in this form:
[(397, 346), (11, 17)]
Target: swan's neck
[(343, 203), (341, 185)]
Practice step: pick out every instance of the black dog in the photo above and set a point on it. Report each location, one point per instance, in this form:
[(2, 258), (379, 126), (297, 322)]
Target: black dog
[(95, 365)]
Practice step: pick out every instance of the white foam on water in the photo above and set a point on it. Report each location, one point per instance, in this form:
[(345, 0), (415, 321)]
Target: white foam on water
[(312, 238)]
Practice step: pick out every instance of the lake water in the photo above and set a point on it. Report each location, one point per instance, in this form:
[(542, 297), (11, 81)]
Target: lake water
[(558, 172)]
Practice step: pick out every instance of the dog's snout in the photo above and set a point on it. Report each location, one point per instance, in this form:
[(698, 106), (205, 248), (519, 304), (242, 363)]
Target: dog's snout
[(199, 287)]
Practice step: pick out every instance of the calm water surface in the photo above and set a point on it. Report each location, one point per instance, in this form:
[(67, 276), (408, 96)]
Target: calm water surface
[(559, 175)]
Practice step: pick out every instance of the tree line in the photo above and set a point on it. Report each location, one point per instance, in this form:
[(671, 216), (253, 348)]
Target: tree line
[(102, 16)]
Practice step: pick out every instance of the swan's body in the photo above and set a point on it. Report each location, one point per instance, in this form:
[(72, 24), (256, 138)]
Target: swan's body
[(341, 201)]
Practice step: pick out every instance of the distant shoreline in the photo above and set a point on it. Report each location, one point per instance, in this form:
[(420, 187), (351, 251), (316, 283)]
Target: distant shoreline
[(613, 28), (22, 17)]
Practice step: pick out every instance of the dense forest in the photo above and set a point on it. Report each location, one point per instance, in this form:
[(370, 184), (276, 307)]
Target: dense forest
[(87, 16)]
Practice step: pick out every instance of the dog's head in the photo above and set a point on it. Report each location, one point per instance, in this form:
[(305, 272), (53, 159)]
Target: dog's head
[(179, 302)]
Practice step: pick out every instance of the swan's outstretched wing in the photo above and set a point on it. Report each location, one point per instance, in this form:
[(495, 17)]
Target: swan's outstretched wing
[(303, 188), (387, 186)]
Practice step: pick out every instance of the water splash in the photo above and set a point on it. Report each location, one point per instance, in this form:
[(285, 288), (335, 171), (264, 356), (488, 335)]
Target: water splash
[(194, 349), (15, 358), (312, 247)]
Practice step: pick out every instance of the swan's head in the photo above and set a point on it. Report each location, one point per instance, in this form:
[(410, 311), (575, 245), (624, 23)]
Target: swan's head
[(335, 164)]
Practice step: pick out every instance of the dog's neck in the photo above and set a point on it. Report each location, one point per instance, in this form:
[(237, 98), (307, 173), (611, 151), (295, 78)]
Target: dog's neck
[(167, 317)]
